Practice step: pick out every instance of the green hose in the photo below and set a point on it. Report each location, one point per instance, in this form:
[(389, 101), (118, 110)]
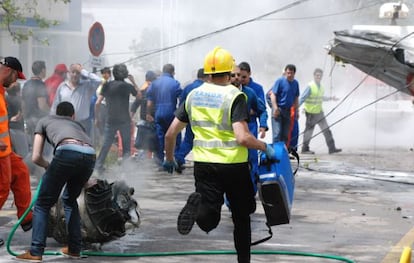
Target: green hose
[(218, 252), (166, 254)]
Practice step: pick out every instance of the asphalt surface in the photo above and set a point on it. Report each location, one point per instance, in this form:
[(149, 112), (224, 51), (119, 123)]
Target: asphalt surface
[(355, 206)]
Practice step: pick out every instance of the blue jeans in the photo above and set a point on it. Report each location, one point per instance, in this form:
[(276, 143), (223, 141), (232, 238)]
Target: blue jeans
[(109, 135), (280, 126), (70, 168)]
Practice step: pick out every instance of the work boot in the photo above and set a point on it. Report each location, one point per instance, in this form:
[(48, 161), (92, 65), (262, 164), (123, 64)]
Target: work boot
[(65, 252), (26, 226), (27, 256), (335, 150), (188, 214)]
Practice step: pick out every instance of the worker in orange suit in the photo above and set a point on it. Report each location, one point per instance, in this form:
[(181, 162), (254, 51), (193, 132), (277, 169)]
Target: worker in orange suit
[(293, 130), (14, 174)]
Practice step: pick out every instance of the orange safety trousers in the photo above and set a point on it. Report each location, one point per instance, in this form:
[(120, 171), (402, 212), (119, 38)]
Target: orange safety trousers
[(291, 124), (15, 176)]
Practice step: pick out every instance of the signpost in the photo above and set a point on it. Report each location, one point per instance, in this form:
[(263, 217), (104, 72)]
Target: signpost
[(96, 42)]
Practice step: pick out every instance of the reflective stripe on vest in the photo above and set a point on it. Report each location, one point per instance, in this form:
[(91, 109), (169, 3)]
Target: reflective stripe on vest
[(209, 112), (213, 144), (313, 103), (4, 135), (4, 126)]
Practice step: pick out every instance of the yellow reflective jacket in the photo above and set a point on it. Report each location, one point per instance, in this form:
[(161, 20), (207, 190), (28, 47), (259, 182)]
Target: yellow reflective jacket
[(313, 103), (209, 110)]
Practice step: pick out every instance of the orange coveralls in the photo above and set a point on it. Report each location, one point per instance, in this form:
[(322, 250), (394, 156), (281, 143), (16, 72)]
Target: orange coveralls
[(14, 173)]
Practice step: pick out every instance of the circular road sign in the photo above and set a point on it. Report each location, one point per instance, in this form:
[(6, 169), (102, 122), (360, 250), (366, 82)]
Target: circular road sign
[(96, 39)]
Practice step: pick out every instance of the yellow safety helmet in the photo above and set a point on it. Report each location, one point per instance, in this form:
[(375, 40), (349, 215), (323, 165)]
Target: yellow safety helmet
[(217, 61)]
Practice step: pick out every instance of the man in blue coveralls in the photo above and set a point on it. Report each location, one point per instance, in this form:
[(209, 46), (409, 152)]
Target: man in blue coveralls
[(187, 143), (257, 109), (163, 95)]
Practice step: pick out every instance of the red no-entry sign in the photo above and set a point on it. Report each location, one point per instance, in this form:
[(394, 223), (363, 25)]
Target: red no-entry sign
[(96, 39)]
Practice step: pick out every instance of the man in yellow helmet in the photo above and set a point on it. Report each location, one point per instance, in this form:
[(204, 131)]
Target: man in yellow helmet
[(217, 112)]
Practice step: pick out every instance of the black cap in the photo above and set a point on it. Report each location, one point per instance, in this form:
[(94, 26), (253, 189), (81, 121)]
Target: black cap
[(13, 63)]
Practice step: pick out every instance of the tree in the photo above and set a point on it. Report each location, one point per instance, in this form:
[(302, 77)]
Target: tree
[(14, 13)]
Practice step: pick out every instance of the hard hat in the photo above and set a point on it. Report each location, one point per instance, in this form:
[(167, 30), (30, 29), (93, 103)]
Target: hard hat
[(217, 61)]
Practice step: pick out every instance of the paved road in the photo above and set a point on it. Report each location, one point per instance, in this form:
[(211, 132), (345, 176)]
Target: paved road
[(350, 205)]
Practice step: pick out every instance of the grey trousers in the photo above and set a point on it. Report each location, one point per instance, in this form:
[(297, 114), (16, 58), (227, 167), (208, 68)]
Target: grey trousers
[(311, 121)]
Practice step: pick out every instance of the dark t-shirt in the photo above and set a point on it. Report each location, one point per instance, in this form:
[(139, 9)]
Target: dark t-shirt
[(239, 111), (117, 94), (32, 90), (142, 105), (14, 105), (57, 128)]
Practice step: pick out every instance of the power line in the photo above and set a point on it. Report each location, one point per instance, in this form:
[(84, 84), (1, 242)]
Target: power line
[(286, 7), (322, 16)]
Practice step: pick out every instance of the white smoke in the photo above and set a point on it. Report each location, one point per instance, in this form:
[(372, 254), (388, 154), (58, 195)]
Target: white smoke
[(297, 35)]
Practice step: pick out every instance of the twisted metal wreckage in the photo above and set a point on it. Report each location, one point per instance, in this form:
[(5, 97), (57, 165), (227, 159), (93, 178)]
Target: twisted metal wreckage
[(386, 56), (105, 209)]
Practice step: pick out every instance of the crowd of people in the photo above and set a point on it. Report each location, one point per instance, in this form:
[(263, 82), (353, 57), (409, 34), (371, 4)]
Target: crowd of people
[(73, 118)]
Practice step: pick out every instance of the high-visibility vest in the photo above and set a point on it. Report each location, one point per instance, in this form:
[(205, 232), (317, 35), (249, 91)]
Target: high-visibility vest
[(313, 103), (4, 124), (209, 112)]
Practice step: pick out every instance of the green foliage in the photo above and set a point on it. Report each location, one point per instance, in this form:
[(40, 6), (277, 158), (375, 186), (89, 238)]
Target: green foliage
[(16, 12)]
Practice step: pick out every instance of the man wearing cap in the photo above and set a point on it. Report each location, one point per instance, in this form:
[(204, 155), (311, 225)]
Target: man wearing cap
[(14, 174), (218, 115), (53, 82)]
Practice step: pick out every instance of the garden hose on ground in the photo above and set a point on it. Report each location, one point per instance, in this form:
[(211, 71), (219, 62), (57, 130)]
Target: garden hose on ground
[(166, 254)]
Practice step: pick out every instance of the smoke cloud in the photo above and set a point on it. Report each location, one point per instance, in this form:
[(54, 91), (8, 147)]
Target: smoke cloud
[(297, 35)]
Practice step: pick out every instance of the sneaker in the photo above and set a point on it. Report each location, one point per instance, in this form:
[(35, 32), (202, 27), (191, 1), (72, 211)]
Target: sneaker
[(188, 214), (26, 226), (65, 252), (336, 150), (29, 257), (1, 242), (307, 152)]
